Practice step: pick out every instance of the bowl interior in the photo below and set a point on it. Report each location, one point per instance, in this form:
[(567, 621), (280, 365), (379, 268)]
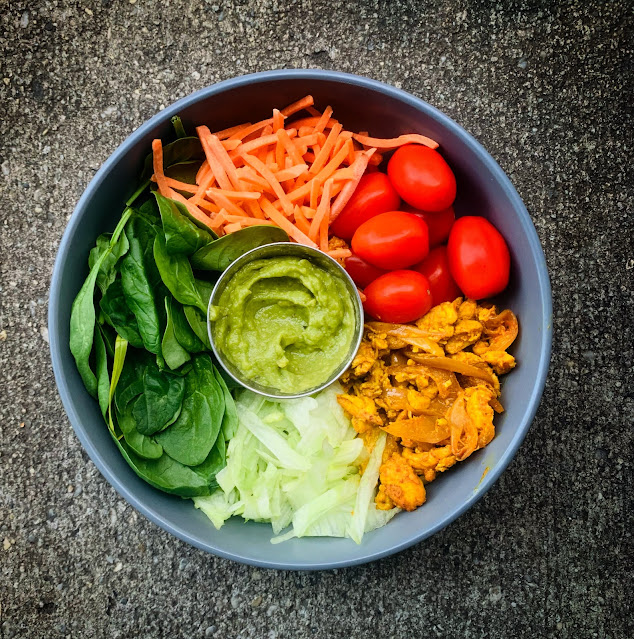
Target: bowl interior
[(360, 104)]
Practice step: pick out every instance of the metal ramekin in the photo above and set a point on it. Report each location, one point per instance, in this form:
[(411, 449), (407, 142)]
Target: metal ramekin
[(283, 249)]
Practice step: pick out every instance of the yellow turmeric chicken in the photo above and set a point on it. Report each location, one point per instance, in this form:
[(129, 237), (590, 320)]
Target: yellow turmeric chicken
[(433, 387)]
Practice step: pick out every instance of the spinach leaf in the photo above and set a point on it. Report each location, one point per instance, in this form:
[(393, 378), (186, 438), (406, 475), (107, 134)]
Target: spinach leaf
[(205, 289), (131, 381), (138, 286), (181, 150), (198, 323), (184, 172), (191, 437), (175, 355), (183, 331), (150, 213), (181, 235), (142, 445), (107, 271), (215, 462), (120, 351), (109, 336), (103, 378), (161, 401), (117, 313), (177, 275), (82, 324), (230, 418), (166, 474), (217, 255)]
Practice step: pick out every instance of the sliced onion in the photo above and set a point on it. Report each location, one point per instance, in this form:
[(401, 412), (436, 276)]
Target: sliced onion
[(453, 365), (424, 429)]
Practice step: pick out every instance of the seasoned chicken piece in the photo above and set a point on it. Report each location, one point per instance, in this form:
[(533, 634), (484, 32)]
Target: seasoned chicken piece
[(378, 341), (363, 360), (375, 382), (417, 401), (400, 484), (480, 412), (382, 501), (362, 410), (337, 243), (501, 361), (467, 357), (467, 310), (430, 463), (439, 320), (391, 447), (466, 332)]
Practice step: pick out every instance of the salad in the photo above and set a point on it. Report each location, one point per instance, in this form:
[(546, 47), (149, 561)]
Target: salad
[(421, 392)]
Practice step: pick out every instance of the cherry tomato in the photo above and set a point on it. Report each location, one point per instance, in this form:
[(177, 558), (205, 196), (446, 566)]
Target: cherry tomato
[(361, 272), (398, 297), (422, 178), (439, 224), (479, 258), (435, 267), (374, 194), (392, 240)]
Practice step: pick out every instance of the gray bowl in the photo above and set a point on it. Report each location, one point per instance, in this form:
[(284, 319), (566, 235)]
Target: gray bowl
[(483, 189), (325, 262)]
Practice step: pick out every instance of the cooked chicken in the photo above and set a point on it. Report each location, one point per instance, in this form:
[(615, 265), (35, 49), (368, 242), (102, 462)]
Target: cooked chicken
[(434, 411), (400, 484)]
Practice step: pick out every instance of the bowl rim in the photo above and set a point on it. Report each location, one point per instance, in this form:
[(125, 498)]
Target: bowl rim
[(57, 348), (308, 252)]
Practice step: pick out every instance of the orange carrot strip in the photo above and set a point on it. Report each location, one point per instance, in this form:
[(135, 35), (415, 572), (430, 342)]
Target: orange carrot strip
[(337, 187), (393, 143), (226, 133), (309, 157), (237, 195), (286, 224), (232, 228), (249, 221), (207, 181), (324, 154), (304, 103), (322, 211), (193, 210), (301, 180), (284, 137), (314, 194), (304, 130), (291, 172), (358, 168), (342, 174), (215, 165), (280, 159), (308, 212), (267, 174), (311, 122), (224, 202), (176, 184), (225, 161), (208, 206), (306, 140), (204, 168), (278, 120), (300, 221), (253, 128), (255, 208), (339, 253), (323, 120), (157, 161), (247, 174)]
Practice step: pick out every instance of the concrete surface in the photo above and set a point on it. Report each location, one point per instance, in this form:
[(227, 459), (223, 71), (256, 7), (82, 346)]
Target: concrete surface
[(547, 88)]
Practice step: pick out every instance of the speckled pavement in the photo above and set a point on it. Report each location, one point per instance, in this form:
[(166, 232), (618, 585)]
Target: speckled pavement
[(546, 86)]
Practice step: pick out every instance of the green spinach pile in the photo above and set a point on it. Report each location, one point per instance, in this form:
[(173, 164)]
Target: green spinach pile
[(138, 333)]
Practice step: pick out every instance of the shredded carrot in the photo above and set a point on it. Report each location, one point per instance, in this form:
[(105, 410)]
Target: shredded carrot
[(339, 253), (237, 195), (300, 221), (286, 224), (358, 168), (284, 137), (204, 168), (193, 210), (278, 120), (233, 227), (304, 103), (323, 120), (179, 186), (311, 122), (323, 155), (225, 203), (291, 172), (227, 133), (267, 174), (253, 128), (216, 167), (157, 162), (393, 143), (322, 209)]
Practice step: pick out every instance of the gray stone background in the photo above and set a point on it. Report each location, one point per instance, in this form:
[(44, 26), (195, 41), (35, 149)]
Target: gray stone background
[(547, 88)]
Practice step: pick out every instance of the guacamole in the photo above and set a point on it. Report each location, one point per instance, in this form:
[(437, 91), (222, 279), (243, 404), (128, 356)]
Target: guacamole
[(285, 323)]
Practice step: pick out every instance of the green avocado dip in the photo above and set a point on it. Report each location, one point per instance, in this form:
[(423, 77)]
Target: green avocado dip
[(284, 322)]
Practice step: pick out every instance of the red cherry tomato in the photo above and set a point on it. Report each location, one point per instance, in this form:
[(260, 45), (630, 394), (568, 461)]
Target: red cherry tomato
[(479, 258), (435, 267), (422, 178), (361, 272), (398, 297), (439, 224), (392, 240), (374, 194)]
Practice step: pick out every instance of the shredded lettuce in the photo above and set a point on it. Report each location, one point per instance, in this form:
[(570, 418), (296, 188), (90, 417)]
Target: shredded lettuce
[(295, 463)]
